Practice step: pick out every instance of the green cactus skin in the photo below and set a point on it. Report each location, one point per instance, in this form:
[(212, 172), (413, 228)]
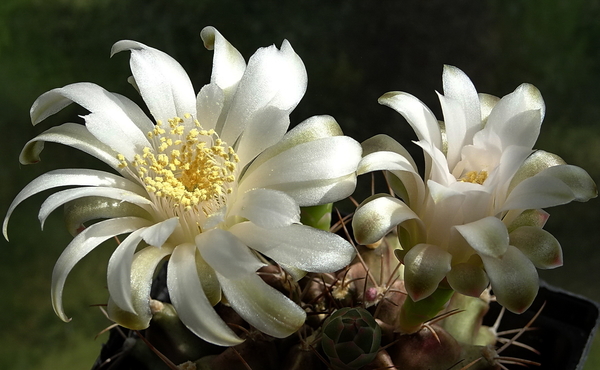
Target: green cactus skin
[(351, 338)]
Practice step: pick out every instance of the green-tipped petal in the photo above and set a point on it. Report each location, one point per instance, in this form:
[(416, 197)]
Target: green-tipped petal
[(538, 245), (534, 164), (468, 279), (487, 236), (514, 279), (425, 266), (80, 246), (142, 271), (190, 301), (262, 306), (377, 217)]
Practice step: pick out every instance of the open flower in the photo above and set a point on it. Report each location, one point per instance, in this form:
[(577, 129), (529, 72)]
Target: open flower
[(477, 216), (213, 183)]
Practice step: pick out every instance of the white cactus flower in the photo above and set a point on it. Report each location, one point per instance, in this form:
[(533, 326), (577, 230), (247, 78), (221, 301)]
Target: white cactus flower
[(477, 212), (211, 181)]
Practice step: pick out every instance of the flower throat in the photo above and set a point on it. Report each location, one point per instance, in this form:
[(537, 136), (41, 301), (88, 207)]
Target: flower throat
[(190, 169)]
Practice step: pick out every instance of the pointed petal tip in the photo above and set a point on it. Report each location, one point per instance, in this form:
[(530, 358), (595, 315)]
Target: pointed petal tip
[(208, 35)]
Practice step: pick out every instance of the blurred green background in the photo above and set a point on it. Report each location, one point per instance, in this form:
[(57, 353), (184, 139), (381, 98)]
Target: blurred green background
[(354, 51)]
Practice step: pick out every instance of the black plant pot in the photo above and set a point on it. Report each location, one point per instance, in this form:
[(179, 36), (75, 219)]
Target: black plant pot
[(562, 333)]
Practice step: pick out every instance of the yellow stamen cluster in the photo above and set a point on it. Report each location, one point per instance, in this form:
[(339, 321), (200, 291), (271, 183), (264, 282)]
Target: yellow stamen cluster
[(475, 177), (189, 169)]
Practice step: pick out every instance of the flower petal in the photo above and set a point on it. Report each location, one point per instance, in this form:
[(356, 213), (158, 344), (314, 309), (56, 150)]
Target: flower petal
[(273, 78), (74, 135), (488, 236), (514, 279), (210, 103), (163, 83), (309, 171), (192, 306), (157, 234), (58, 199), (228, 64), (299, 246), (375, 218), (526, 97), (311, 129), (417, 114), (468, 279), (120, 263), (425, 266), (142, 271), (267, 208), (412, 190), (68, 177), (458, 87), (535, 163), (119, 271), (262, 306), (227, 254), (108, 121), (80, 246), (553, 186), (538, 245)]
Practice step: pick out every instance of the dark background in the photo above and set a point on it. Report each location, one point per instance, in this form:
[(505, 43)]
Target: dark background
[(354, 52)]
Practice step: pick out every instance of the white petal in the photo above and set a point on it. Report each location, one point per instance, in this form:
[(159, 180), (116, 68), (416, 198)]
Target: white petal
[(209, 105), (273, 78), (376, 218), (119, 265), (192, 306), (487, 236), (69, 177), (310, 164), (522, 129), (265, 128), (539, 192), (311, 129), (267, 208), (108, 121), (79, 211), (514, 279), (142, 271), (535, 163), (299, 246), (228, 64), (58, 199), (576, 178), (425, 266), (119, 271), (414, 189), (226, 254), (80, 246), (455, 122), (418, 115), (526, 97), (458, 86), (71, 134), (262, 306), (538, 245), (156, 235), (163, 83), (487, 102)]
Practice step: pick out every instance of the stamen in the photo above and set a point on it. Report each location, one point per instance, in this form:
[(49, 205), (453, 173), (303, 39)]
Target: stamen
[(193, 170), (475, 177)]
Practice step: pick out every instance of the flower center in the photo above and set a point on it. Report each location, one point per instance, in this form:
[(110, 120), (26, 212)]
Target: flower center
[(190, 170), (475, 177)]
